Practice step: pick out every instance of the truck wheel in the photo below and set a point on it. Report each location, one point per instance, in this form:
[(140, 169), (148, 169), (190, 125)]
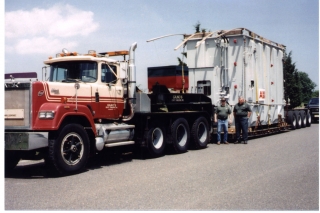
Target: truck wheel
[(156, 141), (200, 133), (69, 153), (308, 118), (292, 120), (11, 159), (180, 133), (303, 119), (298, 117)]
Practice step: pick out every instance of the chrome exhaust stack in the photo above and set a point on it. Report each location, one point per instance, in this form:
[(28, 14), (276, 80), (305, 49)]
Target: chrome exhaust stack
[(131, 82)]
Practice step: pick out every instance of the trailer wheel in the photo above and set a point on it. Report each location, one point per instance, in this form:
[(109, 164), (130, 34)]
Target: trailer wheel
[(292, 120), (69, 152), (303, 119), (180, 133), (11, 159), (200, 133), (156, 141), (298, 117), (308, 118)]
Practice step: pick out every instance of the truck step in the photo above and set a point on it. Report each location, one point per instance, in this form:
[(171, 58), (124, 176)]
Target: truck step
[(119, 143)]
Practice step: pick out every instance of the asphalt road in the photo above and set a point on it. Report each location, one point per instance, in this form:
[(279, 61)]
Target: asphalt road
[(278, 172)]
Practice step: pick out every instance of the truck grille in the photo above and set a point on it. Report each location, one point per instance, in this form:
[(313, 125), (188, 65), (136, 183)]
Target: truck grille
[(17, 106)]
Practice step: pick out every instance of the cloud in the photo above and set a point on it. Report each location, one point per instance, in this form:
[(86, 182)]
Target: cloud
[(42, 29), (41, 45)]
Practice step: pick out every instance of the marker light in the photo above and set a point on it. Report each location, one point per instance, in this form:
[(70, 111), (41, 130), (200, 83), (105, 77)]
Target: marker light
[(116, 53), (65, 51)]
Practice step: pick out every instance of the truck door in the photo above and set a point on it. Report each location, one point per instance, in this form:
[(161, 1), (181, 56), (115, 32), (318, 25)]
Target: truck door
[(111, 94)]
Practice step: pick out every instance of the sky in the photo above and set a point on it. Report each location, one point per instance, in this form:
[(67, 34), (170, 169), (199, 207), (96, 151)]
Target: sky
[(37, 29)]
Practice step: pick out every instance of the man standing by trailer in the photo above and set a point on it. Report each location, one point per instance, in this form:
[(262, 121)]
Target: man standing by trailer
[(242, 113), (222, 115)]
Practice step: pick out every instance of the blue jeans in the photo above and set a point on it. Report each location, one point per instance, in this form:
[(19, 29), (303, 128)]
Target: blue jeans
[(241, 123), (224, 125)]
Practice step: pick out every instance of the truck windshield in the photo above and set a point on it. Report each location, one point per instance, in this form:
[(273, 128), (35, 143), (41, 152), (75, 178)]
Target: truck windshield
[(72, 71)]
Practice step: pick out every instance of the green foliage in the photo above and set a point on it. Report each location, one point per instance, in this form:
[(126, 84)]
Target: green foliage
[(315, 93), (298, 85), (197, 27), (307, 86), (292, 85)]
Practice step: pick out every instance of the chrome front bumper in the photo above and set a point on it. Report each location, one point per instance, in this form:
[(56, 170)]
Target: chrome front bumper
[(25, 140)]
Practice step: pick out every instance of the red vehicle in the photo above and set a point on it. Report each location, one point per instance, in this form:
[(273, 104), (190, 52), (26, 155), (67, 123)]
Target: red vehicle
[(88, 103)]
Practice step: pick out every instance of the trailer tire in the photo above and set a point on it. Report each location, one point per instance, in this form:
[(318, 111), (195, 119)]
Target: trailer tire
[(298, 117), (303, 119), (292, 120), (156, 141), (200, 133), (308, 118), (180, 134), (69, 152)]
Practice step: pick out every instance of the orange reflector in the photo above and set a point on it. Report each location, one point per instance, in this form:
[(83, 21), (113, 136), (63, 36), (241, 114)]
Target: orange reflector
[(69, 54), (115, 53), (63, 100)]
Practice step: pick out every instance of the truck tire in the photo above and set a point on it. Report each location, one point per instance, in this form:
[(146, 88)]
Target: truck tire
[(308, 118), (11, 159), (303, 119), (69, 152), (200, 133), (156, 141), (298, 117), (292, 120), (180, 134)]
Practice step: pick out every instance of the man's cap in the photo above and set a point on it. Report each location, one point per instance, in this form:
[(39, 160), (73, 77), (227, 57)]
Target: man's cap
[(222, 99)]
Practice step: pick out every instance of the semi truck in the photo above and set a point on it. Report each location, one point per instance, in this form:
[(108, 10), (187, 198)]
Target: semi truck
[(90, 102)]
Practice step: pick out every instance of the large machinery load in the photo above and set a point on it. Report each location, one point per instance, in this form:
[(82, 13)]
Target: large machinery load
[(233, 63), (240, 63)]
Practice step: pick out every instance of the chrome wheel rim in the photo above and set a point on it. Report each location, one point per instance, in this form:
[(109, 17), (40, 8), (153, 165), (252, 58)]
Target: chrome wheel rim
[(202, 132), (72, 149), (181, 135), (157, 138)]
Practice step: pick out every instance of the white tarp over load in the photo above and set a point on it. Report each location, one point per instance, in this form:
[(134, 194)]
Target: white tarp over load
[(237, 63)]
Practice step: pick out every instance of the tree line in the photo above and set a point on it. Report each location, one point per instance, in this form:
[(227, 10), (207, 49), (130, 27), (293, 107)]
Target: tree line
[(298, 87)]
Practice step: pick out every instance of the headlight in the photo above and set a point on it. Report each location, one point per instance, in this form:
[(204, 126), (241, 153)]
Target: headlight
[(46, 115)]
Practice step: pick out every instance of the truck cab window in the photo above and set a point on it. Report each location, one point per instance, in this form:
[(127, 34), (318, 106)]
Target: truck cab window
[(74, 71), (107, 76)]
